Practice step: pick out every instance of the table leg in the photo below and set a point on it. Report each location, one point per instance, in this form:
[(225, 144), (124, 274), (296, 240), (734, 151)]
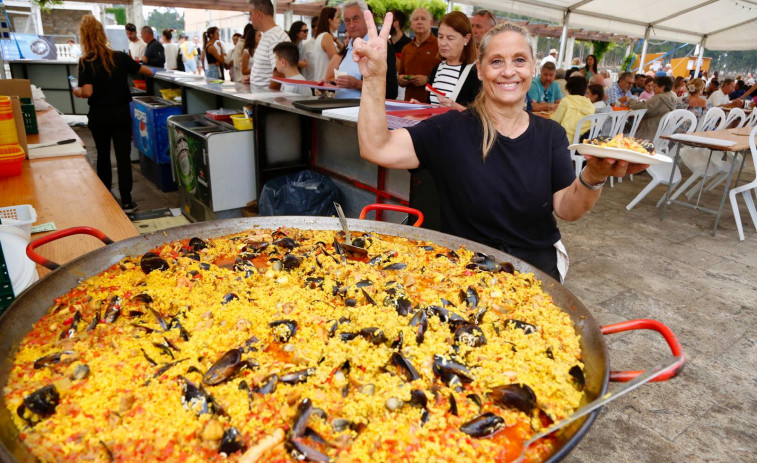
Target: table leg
[(741, 168), (704, 178), (670, 181), (725, 192)]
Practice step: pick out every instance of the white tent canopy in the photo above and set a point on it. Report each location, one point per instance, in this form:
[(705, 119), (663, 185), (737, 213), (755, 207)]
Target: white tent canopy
[(725, 24)]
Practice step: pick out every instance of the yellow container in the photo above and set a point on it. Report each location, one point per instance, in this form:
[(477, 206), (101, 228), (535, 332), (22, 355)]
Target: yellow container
[(8, 134), (241, 122), (170, 93)]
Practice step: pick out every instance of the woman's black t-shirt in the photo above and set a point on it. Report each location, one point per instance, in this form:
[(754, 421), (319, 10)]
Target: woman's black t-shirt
[(108, 89), (506, 200)]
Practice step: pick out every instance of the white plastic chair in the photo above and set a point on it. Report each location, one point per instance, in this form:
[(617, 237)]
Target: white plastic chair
[(700, 161), (614, 125), (733, 115), (635, 116), (660, 173), (597, 121), (746, 192), (751, 119)]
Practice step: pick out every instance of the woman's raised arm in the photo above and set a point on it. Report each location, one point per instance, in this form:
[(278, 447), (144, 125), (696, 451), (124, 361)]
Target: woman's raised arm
[(377, 144)]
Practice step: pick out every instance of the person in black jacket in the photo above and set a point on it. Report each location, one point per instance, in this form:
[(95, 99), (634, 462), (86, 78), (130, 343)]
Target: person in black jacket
[(154, 54), (103, 80), (456, 75)]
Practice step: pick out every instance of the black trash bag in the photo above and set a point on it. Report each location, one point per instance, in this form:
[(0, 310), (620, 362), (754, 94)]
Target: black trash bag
[(301, 193)]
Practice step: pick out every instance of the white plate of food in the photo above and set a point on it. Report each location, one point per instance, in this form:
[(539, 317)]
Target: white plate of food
[(624, 149)]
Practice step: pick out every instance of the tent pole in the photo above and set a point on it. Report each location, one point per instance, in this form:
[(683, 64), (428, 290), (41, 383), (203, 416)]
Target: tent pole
[(450, 6), (563, 39), (644, 51), (699, 57)]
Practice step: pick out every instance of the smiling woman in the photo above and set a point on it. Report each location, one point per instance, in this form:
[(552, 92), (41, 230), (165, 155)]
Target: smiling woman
[(500, 173)]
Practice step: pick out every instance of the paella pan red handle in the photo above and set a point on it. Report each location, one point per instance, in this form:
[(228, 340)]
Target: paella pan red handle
[(47, 263), (395, 208), (647, 324)]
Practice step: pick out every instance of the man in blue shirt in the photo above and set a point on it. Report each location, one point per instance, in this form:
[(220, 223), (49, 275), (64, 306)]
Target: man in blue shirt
[(544, 91), (619, 92)]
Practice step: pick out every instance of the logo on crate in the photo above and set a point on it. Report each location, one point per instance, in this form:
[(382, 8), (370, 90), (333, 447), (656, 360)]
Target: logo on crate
[(144, 136)]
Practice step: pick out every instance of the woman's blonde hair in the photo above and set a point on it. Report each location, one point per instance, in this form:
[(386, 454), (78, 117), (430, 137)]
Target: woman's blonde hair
[(479, 104), (695, 86), (94, 43)]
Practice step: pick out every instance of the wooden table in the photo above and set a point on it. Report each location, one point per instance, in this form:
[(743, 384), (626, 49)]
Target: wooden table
[(544, 114), (741, 147), (67, 191)]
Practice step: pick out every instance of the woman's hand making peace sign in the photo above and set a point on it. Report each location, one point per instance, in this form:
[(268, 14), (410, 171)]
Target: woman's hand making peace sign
[(371, 55)]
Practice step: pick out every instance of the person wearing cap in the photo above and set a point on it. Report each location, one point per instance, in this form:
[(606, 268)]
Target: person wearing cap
[(550, 58)]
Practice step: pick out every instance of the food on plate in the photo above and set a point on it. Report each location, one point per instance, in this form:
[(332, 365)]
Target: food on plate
[(288, 344), (626, 143)]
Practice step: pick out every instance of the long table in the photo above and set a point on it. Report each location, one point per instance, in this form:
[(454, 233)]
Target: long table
[(67, 191)]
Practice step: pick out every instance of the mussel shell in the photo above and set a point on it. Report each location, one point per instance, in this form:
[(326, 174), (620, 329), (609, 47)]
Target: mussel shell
[(197, 244), (228, 297), (578, 376), (296, 377), (142, 297), (446, 368), (114, 310), (43, 401), (363, 283), (418, 398), (51, 359), (290, 324), (483, 425), (268, 385), (481, 261), (395, 266), (421, 321), (196, 399), (151, 262), (373, 335), (521, 325), (470, 335), (404, 367), (300, 423), (518, 396), (231, 442), (224, 368), (286, 242), (291, 261), (300, 451)]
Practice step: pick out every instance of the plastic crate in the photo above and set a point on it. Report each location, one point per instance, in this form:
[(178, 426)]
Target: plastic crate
[(22, 216), (30, 116)]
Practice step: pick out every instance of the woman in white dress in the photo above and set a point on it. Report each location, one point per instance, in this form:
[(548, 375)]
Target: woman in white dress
[(325, 46), (170, 49)]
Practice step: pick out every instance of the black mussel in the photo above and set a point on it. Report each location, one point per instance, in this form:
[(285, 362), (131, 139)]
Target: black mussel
[(368, 297), (452, 319), (350, 302), (478, 316), (114, 310), (418, 399), (231, 442), (363, 283), (196, 399), (197, 244), (421, 321), (228, 297), (401, 304), (427, 248), (404, 367), (291, 261), (167, 367), (395, 266), (469, 297), (339, 250), (283, 330), (381, 258), (135, 313), (397, 344), (143, 298), (314, 282), (71, 331), (255, 247), (95, 321), (470, 335), (296, 377), (507, 267), (159, 318), (192, 255), (550, 354), (521, 325), (165, 348), (452, 404), (578, 376), (147, 357), (445, 303), (41, 402), (243, 386), (300, 451), (304, 409), (517, 396), (50, 360), (151, 262), (483, 425), (476, 400), (204, 265), (286, 242), (354, 251), (446, 368), (339, 290), (268, 385), (373, 335), (348, 336), (224, 368), (481, 261)]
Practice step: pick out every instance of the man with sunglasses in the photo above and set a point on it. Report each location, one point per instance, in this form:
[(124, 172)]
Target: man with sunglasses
[(481, 22)]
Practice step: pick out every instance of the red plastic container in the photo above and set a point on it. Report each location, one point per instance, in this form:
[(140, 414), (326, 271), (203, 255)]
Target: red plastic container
[(222, 114), (11, 159)]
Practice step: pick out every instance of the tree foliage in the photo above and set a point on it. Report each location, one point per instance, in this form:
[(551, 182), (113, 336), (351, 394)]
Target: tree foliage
[(119, 13), (601, 48), (165, 18), (438, 8), (47, 5)]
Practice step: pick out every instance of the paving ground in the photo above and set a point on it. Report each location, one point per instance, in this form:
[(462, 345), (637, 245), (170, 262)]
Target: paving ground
[(627, 265)]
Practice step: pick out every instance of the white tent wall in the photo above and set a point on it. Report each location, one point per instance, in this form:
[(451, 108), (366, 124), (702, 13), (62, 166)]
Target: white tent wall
[(727, 24)]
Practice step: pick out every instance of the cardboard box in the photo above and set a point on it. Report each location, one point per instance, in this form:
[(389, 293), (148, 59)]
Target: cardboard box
[(19, 119), (16, 89)]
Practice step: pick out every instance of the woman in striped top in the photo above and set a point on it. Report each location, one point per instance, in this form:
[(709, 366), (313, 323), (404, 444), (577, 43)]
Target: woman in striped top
[(456, 75)]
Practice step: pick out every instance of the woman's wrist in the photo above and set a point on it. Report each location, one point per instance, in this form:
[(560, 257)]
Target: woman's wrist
[(591, 178)]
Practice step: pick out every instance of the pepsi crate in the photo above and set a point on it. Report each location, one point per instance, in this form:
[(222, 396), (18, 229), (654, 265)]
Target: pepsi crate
[(149, 132)]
